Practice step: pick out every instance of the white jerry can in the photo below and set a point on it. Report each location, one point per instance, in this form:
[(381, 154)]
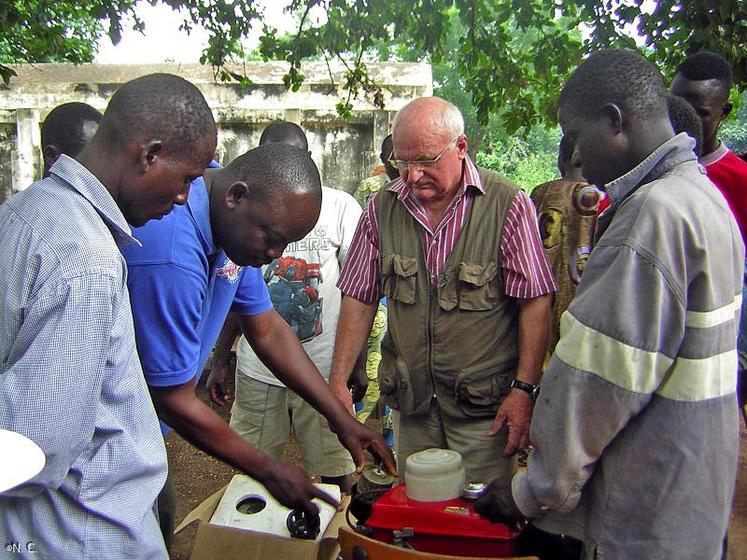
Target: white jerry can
[(246, 504)]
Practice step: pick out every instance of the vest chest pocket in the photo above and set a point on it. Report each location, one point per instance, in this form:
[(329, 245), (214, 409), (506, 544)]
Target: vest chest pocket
[(399, 277), (477, 289)]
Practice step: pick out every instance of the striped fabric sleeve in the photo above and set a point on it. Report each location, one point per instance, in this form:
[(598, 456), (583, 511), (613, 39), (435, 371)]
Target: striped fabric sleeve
[(626, 337), (566, 450), (606, 367), (359, 277), (648, 342), (525, 268)]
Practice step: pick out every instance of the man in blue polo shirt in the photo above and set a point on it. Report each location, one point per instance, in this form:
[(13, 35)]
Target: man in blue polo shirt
[(202, 261)]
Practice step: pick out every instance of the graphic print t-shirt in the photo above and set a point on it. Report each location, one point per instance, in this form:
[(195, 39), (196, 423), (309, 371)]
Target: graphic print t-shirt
[(302, 285)]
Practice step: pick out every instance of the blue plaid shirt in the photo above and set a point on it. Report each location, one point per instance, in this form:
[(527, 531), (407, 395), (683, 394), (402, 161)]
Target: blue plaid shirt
[(70, 379)]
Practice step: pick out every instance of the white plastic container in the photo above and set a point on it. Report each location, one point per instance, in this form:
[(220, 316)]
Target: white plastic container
[(271, 518), (434, 475)]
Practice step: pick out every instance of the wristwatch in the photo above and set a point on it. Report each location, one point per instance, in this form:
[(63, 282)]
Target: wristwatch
[(532, 390)]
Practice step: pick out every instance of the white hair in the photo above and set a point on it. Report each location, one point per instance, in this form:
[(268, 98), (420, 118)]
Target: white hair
[(449, 119), (452, 120)]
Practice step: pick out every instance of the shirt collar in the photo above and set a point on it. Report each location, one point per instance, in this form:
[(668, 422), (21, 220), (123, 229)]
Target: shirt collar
[(470, 178), (78, 177), (670, 154), (198, 204), (715, 155)]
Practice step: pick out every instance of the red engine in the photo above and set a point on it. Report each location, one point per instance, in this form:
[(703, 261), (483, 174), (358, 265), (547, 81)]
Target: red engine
[(448, 527)]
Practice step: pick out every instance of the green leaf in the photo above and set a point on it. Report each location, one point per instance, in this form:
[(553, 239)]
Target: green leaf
[(501, 61)]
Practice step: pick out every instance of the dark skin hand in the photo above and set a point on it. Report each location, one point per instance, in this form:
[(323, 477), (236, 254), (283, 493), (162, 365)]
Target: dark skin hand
[(279, 349), (216, 385), (358, 383), (221, 355), (498, 505), (220, 396), (180, 408)]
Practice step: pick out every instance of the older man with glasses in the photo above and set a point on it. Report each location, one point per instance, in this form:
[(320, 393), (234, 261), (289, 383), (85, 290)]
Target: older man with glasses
[(456, 251)]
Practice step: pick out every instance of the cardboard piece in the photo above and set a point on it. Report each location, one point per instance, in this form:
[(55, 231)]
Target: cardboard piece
[(213, 542)]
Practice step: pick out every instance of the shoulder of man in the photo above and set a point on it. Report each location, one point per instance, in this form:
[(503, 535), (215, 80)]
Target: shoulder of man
[(738, 163), (491, 179), (338, 195)]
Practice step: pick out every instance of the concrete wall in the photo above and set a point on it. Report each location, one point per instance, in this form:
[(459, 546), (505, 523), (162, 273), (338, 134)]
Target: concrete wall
[(344, 151)]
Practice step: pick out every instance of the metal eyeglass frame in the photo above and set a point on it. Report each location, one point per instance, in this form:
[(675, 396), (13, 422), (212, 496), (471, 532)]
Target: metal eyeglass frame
[(403, 164)]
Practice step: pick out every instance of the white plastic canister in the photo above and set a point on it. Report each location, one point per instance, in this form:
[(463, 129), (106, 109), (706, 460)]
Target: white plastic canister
[(434, 475)]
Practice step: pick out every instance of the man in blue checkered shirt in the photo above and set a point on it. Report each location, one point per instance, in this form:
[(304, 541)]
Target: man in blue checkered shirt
[(70, 379)]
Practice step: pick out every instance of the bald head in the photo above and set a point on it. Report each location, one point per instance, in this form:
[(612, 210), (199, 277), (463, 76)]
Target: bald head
[(285, 132), (432, 114), (430, 149), (263, 200)]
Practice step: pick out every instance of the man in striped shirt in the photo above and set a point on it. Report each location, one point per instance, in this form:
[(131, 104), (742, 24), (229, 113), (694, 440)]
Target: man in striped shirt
[(456, 251)]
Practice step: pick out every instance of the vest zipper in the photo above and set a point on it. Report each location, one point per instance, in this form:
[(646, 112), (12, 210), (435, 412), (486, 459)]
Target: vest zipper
[(431, 297)]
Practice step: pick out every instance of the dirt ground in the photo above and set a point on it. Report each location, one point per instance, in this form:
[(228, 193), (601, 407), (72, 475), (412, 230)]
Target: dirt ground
[(198, 475)]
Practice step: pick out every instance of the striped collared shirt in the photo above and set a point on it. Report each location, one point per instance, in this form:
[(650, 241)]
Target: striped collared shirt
[(521, 256), (70, 378)]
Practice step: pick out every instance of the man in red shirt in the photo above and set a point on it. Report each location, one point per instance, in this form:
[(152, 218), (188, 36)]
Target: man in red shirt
[(704, 80)]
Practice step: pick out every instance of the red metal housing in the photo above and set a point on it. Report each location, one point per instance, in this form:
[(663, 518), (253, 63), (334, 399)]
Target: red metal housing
[(449, 527)]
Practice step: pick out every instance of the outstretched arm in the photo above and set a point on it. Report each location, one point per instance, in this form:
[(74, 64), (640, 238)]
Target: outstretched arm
[(196, 422), (353, 328), (170, 348), (528, 278), (279, 349)]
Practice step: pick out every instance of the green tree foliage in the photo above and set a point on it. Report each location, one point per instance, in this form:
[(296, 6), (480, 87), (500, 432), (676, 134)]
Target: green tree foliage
[(41, 31), (512, 55), (527, 161), (734, 130)]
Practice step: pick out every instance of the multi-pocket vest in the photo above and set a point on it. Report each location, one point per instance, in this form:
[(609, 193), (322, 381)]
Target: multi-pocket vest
[(456, 341)]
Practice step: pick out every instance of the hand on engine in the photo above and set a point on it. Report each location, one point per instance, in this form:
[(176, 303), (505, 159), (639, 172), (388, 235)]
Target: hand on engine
[(498, 505)]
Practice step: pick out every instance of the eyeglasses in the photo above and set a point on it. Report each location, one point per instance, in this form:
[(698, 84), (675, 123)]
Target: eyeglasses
[(404, 164)]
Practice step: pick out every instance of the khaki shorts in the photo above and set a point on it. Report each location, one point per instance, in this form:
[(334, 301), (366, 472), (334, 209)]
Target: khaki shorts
[(262, 414), (482, 454)]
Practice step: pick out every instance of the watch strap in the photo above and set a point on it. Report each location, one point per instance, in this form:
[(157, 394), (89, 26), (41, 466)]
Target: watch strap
[(531, 390)]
